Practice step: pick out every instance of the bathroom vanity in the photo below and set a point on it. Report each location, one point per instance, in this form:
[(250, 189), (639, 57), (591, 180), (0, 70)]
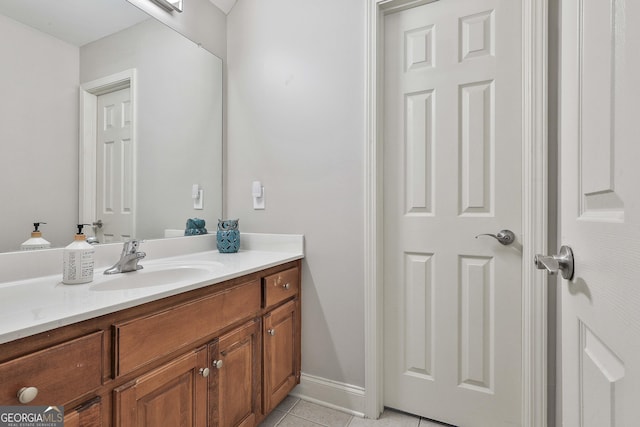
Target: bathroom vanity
[(222, 349)]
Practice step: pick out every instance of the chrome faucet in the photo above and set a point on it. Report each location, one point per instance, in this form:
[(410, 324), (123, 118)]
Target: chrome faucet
[(128, 259)]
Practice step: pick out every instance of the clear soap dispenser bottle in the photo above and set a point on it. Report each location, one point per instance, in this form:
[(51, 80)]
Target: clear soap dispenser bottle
[(36, 241), (78, 260)]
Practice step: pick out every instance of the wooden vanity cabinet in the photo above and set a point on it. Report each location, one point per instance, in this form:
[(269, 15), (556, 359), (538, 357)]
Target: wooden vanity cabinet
[(57, 374), (281, 335), (141, 340), (88, 414), (174, 394), (235, 381), (259, 362), (281, 349), (221, 356)]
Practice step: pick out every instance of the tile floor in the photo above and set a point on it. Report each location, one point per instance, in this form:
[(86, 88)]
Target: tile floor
[(294, 412)]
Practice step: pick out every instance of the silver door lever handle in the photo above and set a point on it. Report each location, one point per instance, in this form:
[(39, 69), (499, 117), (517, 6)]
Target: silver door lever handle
[(562, 262), (505, 237)]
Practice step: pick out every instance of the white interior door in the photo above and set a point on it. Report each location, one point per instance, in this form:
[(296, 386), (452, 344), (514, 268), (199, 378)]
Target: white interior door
[(600, 212), (114, 167), (452, 170)]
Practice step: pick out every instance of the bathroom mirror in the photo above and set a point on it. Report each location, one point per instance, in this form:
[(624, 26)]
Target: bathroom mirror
[(59, 57)]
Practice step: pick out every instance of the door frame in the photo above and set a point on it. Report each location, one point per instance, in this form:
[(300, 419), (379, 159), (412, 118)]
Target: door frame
[(534, 205), (88, 109)]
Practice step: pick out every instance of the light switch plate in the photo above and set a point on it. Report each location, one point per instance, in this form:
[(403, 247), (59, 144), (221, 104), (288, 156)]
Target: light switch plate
[(258, 202), (198, 202)]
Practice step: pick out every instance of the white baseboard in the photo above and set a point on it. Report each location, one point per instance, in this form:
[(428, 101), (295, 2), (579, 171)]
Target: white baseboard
[(333, 394)]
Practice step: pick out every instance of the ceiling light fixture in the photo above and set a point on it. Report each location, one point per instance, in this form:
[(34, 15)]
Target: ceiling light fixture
[(169, 5)]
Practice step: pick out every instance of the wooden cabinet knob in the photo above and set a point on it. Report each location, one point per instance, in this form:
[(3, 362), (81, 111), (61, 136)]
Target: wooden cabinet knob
[(27, 394)]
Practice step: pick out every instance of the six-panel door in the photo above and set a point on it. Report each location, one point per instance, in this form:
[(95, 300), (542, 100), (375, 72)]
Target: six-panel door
[(452, 171), (600, 212)]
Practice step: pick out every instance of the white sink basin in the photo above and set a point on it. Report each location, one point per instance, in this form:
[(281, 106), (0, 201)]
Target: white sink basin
[(152, 275)]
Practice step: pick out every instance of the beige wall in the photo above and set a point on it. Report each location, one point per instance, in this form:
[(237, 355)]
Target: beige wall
[(39, 135), (200, 21), (296, 122)]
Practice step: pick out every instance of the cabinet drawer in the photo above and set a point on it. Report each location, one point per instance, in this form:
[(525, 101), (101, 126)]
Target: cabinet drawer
[(142, 340), (87, 415), (60, 373), (280, 286)]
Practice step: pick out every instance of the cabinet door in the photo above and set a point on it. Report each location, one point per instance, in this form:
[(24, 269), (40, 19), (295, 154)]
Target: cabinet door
[(281, 353), (173, 395), (86, 415), (235, 383)]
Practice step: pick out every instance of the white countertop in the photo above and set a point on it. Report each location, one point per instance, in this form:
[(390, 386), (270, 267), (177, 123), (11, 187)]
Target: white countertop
[(31, 306)]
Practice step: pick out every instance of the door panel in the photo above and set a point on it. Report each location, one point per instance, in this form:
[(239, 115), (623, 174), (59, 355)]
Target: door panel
[(475, 339), (597, 110), (600, 216), (452, 170), (115, 167)]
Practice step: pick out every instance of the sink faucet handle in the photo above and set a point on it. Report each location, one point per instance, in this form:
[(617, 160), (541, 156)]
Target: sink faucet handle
[(131, 246)]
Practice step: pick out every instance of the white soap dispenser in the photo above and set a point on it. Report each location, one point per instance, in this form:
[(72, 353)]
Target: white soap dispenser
[(36, 241), (78, 260)]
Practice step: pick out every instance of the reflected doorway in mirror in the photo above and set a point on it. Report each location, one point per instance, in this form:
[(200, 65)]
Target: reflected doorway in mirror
[(108, 155)]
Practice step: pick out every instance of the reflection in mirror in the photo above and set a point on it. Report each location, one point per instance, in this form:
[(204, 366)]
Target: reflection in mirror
[(170, 5), (170, 128)]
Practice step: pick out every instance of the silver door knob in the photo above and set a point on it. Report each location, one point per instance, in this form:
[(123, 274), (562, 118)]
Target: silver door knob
[(204, 372), (505, 237), (217, 364), (562, 262), (286, 286), (27, 394), (271, 332)]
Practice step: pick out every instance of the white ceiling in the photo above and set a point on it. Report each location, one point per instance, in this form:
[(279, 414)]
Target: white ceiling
[(224, 5), (77, 22)]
